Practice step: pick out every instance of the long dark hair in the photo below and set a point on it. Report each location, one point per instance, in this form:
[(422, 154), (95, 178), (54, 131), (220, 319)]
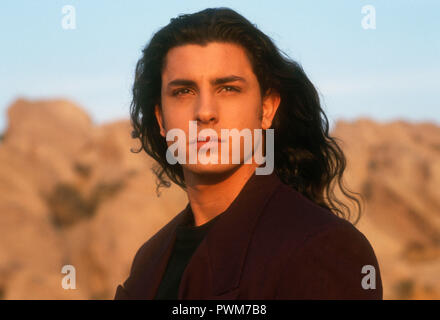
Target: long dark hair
[(306, 157)]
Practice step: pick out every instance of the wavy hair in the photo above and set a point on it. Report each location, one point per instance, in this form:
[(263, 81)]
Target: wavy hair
[(306, 157)]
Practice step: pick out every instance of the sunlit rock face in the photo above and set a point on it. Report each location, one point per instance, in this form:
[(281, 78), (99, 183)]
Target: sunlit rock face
[(72, 193), (396, 167)]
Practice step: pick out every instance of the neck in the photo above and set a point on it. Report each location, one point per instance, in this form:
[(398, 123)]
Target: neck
[(210, 195)]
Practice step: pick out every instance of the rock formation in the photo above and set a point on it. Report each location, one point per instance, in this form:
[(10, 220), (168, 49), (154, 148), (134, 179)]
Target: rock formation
[(72, 193)]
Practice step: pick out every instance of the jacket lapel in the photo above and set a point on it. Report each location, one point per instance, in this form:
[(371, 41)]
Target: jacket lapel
[(215, 268), (149, 275)]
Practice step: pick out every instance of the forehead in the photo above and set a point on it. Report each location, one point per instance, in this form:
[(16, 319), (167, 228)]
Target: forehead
[(213, 59)]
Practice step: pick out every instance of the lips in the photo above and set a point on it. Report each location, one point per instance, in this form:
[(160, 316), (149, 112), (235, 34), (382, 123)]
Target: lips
[(209, 140)]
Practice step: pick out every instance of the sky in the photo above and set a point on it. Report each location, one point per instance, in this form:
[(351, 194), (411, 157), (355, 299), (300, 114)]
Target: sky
[(390, 72)]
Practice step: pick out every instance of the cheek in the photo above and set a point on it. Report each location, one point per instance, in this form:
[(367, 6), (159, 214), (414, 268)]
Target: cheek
[(245, 113), (175, 118), (175, 115)]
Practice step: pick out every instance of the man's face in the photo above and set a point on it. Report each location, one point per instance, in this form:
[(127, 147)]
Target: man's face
[(215, 86)]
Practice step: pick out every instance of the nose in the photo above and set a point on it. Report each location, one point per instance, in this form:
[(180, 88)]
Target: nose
[(206, 109)]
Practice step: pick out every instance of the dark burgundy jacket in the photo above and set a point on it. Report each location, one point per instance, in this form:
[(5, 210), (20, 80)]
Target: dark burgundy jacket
[(271, 243)]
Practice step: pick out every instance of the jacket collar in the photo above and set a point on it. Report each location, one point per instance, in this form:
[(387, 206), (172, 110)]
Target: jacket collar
[(225, 246)]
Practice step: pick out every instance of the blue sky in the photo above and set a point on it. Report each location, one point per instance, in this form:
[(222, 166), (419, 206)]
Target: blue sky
[(387, 73)]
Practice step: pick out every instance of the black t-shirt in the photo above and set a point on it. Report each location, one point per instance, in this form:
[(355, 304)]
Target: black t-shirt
[(188, 238)]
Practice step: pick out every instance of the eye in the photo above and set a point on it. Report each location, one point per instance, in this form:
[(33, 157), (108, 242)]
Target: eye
[(180, 92), (231, 89)]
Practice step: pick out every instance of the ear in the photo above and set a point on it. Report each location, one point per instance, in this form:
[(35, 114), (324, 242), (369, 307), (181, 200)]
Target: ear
[(159, 118), (271, 102)]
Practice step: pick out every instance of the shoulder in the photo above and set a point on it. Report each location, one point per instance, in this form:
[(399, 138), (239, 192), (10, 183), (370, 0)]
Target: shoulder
[(323, 256), (143, 260), (290, 217), (149, 248), (337, 262)]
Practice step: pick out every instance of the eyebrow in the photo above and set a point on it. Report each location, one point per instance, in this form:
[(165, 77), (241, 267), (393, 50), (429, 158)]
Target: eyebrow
[(216, 81)]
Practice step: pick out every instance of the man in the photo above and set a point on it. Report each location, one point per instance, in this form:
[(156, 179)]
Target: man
[(242, 235)]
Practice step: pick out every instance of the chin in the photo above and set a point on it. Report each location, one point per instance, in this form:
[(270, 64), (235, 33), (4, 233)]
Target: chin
[(211, 169)]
